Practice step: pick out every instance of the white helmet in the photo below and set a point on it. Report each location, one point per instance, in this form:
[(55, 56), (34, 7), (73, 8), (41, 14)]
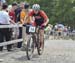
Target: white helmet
[(36, 7)]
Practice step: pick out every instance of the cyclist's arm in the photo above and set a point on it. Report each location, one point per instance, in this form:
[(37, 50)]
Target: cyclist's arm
[(46, 20)]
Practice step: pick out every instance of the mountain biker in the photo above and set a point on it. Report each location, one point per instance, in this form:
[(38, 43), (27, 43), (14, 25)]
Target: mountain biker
[(40, 19)]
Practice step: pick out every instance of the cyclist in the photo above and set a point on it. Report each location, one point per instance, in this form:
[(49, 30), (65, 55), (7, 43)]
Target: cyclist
[(40, 19)]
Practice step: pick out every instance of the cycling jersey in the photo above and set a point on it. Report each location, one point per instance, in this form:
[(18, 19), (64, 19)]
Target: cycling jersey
[(40, 17)]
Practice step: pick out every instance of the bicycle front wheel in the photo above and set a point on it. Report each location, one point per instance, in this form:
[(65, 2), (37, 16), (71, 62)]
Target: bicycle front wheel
[(30, 48)]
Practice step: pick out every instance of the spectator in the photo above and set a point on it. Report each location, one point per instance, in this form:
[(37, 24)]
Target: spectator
[(9, 8), (12, 11), (25, 21), (5, 32), (65, 31), (24, 13), (18, 10), (17, 13)]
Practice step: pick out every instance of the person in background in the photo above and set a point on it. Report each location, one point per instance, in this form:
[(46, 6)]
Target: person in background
[(1, 3), (65, 31), (18, 10), (9, 8), (24, 13), (5, 33), (12, 11), (17, 13)]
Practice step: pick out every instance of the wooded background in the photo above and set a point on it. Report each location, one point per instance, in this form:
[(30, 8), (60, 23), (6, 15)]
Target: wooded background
[(62, 11)]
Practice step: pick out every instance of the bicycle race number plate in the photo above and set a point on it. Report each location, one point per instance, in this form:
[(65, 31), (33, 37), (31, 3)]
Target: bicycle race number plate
[(31, 29)]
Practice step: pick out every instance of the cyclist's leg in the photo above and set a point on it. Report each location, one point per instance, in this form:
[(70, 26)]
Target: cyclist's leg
[(41, 36)]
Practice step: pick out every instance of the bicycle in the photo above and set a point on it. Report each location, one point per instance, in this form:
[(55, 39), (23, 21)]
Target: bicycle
[(33, 42)]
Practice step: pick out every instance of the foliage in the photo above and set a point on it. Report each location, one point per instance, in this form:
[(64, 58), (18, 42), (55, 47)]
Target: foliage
[(57, 10)]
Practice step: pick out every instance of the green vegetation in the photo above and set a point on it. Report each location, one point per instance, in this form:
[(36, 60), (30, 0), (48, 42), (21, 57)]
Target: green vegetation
[(57, 10)]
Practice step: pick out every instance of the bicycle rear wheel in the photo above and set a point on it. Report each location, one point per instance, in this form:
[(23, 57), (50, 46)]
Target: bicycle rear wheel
[(30, 48), (39, 45)]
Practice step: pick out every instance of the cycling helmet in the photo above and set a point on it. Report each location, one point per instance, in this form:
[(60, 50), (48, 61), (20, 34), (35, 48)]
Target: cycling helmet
[(26, 6), (36, 7)]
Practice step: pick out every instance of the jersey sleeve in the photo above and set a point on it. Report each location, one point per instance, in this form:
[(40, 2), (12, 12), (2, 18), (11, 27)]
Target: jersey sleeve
[(43, 14)]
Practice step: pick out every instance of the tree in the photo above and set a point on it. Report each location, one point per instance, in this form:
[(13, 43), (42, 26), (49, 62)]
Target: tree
[(57, 10)]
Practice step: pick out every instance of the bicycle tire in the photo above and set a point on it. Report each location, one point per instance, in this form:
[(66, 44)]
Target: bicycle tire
[(29, 52), (38, 46), (38, 49)]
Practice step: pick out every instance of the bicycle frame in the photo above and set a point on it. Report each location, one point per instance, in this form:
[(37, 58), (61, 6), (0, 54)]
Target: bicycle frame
[(35, 43)]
